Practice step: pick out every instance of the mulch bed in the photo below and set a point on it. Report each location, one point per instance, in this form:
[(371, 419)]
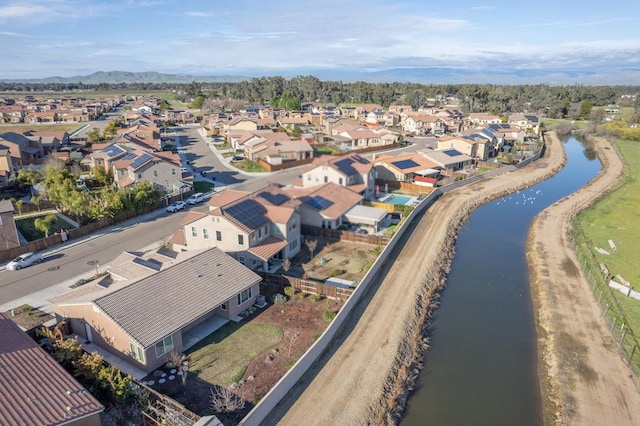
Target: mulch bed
[(28, 318)]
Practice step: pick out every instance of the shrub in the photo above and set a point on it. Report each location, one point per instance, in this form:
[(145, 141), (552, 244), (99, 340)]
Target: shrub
[(315, 337), (289, 291), (328, 316), (316, 297), (279, 299)]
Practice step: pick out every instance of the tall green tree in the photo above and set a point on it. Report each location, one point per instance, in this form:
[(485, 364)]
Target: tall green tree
[(43, 224)]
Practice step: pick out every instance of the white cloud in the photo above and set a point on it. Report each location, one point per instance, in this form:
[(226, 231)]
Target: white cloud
[(201, 14)]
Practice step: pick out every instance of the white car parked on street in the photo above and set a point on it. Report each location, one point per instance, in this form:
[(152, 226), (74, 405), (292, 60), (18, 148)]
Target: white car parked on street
[(178, 205), (196, 198), (24, 260)]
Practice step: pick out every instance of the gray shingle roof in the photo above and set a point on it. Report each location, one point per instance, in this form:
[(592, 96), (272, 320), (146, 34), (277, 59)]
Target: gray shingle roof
[(158, 305)]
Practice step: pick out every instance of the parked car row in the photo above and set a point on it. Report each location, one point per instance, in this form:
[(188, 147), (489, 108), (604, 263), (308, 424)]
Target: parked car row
[(24, 260), (196, 198)]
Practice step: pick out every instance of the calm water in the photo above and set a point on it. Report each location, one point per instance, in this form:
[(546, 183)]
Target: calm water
[(481, 367)]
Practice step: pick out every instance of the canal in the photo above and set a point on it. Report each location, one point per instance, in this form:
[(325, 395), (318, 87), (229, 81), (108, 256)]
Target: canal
[(481, 366)]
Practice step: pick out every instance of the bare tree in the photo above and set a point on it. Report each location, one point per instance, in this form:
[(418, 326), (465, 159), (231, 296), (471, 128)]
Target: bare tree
[(286, 265), (224, 401), (293, 338), (311, 245)]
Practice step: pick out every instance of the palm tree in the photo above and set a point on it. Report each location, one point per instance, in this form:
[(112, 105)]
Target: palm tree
[(43, 224)]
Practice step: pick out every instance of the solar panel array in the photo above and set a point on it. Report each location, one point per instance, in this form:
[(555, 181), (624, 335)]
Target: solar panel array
[(141, 160), (318, 202), (275, 199), (112, 150), (249, 212), (129, 156), (405, 164), (452, 152)]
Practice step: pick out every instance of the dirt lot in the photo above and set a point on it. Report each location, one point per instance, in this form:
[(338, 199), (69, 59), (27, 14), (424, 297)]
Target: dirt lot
[(349, 385)]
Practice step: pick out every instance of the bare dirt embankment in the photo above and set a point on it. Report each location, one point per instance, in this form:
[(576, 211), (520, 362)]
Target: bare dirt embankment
[(364, 376), (584, 379)]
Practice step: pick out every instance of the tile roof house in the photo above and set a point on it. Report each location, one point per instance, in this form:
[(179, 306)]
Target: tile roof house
[(24, 150), (364, 137), (35, 389), (352, 171), (528, 122), (6, 167), (161, 168), (424, 124), (146, 306), (260, 229), (8, 232), (404, 168), (449, 160), (274, 147), (325, 205), (483, 118)]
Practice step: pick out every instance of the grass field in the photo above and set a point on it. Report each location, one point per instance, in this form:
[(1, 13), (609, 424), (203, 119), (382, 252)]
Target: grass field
[(223, 356), (20, 128), (615, 217)]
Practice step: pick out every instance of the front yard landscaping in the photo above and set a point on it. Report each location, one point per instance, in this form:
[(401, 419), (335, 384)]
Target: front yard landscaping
[(27, 227)]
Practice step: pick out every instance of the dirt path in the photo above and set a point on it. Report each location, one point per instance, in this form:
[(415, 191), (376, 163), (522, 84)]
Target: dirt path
[(585, 380), (364, 373)]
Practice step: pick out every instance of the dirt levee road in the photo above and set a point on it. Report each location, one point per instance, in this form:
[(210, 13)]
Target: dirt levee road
[(585, 380)]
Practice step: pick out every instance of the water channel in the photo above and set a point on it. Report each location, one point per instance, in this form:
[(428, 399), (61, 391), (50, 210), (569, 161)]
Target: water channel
[(481, 366)]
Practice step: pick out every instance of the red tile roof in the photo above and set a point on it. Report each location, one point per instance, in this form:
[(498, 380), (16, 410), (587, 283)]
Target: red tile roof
[(34, 388)]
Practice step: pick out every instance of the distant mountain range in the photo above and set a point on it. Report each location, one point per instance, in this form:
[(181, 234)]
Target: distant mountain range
[(429, 75)]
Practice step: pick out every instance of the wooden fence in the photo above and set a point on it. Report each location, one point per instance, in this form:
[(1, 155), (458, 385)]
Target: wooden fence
[(56, 239), (341, 235), (306, 286)]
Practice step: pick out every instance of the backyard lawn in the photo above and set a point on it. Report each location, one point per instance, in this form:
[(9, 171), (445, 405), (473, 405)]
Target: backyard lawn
[(26, 226), (223, 356)]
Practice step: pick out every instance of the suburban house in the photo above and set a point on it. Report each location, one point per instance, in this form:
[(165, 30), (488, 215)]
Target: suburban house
[(24, 150), (480, 144), (51, 141), (528, 122), (35, 389), (449, 160), (364, 137), (423, 124), (405, 168), (274, 147), (324, 205), (161, 168), (484, 119), (259, 229), (352, 171), (6, 167), (8, 232), (144, 308)]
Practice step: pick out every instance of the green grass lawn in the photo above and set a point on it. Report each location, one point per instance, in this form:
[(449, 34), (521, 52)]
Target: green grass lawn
[(203, 186), (26, 226), (615, 217), (224, 355), (248, 166)]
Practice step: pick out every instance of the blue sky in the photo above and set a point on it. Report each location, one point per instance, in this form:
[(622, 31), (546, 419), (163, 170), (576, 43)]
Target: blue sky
[(42, 38)]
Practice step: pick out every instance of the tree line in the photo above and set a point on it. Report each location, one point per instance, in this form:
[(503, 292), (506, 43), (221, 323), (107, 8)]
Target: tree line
[(549, 100)]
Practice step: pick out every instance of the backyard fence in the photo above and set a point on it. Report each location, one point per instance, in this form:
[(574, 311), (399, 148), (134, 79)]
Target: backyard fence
[(307, 286), (341, 235)]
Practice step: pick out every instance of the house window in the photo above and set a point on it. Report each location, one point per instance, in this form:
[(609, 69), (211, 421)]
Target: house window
[(293, 244), (218, 236), (205, 233), (244, 296), (173, 171), (164, 346), (155, 173), (223, 306), (139, 175), (240, 239), (340, 181), (241, 259), (194, 231), (326, 179)]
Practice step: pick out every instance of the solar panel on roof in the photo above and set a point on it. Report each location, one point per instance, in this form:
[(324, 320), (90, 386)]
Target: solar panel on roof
[(452, 152), (275, 199), (129, 156), (405, 164), (141, 160), (112, 150), (319, 203), (249, 212)]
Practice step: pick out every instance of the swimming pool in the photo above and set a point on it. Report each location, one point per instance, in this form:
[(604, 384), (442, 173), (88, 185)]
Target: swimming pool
[(397, 199)]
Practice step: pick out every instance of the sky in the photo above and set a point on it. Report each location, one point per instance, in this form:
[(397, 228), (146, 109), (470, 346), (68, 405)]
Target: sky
[(44, 38)]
